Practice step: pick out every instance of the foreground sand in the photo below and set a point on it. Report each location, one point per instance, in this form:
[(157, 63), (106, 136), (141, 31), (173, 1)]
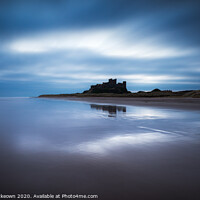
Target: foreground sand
[(176, 103), (60, 147)]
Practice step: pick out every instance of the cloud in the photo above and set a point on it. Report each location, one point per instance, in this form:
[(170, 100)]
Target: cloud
[(71, 44), (107, 42), (74, 76)]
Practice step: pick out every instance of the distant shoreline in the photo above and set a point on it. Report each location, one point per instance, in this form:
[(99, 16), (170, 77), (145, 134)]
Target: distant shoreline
[(141, 94), (185, 103)]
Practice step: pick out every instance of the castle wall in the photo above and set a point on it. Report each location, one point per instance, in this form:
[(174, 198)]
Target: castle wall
[(109, 87)]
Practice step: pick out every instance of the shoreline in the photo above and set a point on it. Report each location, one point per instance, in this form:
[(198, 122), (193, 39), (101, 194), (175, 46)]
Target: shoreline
[(186, 103)]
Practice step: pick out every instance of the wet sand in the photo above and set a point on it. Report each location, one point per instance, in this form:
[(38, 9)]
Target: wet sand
[(69, 147), (152, 172), (174, 103)]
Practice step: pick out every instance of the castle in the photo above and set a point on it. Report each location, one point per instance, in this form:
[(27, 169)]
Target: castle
[(108, 87)]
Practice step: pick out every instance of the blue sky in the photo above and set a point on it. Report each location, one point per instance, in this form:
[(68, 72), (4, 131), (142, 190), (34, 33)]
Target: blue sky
[(64, 46)]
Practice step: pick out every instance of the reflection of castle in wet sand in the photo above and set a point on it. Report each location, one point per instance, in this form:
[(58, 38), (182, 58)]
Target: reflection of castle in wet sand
[(112, 110)]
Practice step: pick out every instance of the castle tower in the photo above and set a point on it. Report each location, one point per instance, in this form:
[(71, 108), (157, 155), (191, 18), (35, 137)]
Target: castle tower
[(112, 81), (124, 84)]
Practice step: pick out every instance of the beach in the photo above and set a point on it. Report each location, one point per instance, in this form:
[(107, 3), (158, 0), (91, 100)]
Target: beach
[(109, 147), (187, 103)]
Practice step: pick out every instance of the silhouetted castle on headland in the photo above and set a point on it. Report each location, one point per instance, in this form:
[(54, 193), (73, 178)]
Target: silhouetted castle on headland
[(108, 87)]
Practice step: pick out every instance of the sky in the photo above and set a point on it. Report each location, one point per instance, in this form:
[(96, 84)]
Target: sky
[(64, 46)]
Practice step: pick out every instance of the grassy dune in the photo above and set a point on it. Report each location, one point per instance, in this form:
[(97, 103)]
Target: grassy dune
[(156, 93)]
